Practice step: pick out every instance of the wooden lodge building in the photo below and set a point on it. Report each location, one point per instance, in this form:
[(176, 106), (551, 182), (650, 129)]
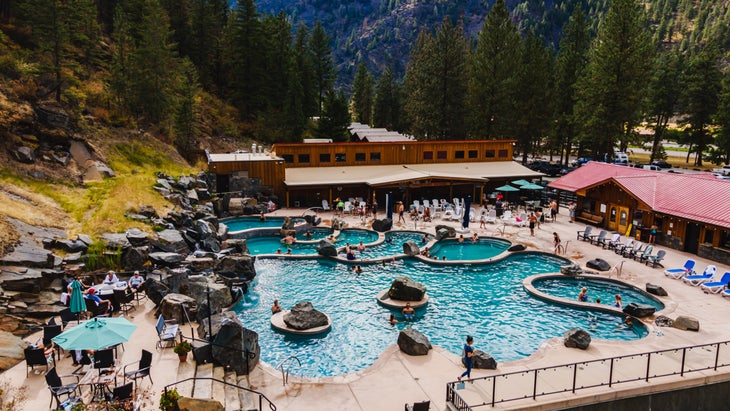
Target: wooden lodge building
[(691, 211), (304, 174)]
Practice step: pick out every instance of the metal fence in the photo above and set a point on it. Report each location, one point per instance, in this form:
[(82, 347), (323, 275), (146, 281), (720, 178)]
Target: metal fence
[(519, 385)]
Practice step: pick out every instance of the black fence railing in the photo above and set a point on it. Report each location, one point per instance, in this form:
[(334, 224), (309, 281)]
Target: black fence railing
[(262, 399), (578, 376)]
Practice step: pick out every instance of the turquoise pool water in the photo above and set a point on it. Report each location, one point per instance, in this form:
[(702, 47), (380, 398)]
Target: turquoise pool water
[(393, 245), (317, 234), (246, 223), (483, 300), (354, 236), (569, 287), (480, 250), (269, 245)]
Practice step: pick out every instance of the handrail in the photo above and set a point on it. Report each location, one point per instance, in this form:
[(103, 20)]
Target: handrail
[(248, 355), (656, 364), (262, 396), (285, 375), (187, 318)]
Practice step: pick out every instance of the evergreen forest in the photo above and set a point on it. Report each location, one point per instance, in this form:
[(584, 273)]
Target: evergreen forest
[(561, 77)]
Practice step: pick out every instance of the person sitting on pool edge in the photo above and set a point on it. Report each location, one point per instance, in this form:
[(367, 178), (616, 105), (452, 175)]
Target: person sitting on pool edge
[(276, 307), (583, 296), (408, 312), (351, 255)]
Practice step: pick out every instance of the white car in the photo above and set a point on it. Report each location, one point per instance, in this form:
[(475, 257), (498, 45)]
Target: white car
[(620, 158)]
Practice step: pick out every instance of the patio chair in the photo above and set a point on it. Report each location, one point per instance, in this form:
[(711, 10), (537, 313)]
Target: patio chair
[(521, 221), (492, 216), (507, 215), (585, 234), (418, 406), (124, 299), (50, 331), (599, 239), (67, 316), (715, 287), (620, 248), (613, 242), (103, 359), (631, 252), (325, 205), (678, 273), (58, 388), (705, 277), (166, 331), (655, 260), (94, 308), (37, 356), (143, 369), (121, 396), (644, 255)]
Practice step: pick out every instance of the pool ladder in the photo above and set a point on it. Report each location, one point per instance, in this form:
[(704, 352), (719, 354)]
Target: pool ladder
[(285, 372)]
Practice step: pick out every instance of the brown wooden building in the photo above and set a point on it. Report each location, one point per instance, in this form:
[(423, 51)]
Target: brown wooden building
[(691, 211), (304, 174)]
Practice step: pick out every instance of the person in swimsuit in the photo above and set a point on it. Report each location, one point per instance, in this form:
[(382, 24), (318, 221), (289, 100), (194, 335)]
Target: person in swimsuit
[(276, 307), (408, 312), (583, 296)]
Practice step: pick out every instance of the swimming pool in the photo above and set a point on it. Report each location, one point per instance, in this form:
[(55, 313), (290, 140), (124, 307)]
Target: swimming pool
[(247, 223), (483, 300), (482, 249), (393, 245), (569, 287), (354, 236), (270, 244)]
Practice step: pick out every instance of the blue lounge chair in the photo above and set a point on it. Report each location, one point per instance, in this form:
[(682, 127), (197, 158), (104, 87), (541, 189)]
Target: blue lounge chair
[(655, 260), (705, 277), (716, 286), (725, 293), (678, 273)]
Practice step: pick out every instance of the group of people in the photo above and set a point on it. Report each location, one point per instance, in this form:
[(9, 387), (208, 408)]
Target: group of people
[(133, 285), (361, 207), (583, 297)]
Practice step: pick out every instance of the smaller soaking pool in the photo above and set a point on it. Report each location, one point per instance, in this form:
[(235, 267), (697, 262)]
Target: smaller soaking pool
[(270, 245), (482, 249), (601, 289)]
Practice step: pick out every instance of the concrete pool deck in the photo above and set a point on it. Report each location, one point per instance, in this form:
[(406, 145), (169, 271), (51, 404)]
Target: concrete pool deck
[(396, 378)]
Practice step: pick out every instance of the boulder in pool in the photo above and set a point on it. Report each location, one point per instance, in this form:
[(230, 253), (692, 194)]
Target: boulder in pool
[(310, 216), (656, 290), (405, 289), (444, 231), (339, 224), (482, 361), (303, 316), (382, 225), (410, 248), (288, 224), (326, 249), (686, 323), (577, 338), (598, 264), (573, 269), (639, 310), (413, 342), (517, 247)]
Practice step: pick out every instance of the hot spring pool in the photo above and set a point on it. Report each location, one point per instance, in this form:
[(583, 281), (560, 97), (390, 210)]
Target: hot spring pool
[(482, 249)]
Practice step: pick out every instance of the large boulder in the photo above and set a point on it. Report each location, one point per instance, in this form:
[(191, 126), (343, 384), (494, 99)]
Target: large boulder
[(197, 404), (166, 259), (326, 249), (517, 247), (70, 246), (405, 289), (289, 224), (11, 350), (382, 225), (686, 323), (21, 279), (663, 321), (137, 237), (413, 342), (197, 286), (134, 258), (238, 245), (115, 240), (24, 154), (656, 290), (573, 269), (171, 241), (482, 361), (444, 231), (205, 229), (310, 216), (577, 338), (237, 266), (303, 316), (155, 290), (639, 310), (171, 307), (235, 346), (410, 248), (598, 264), (28, 255)]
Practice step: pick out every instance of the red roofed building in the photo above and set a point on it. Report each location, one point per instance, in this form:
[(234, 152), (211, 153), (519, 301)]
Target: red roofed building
[(691, 211)]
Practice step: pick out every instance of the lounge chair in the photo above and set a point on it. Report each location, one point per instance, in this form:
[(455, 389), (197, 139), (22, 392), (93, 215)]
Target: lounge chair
[(507, 215), (600, 238), (613, 242), (325, 205), (715, 287), (678, 273), (620, 248), (644, 255), (655, 260), (725, 293), (705, 277), (492, 216), (585, 234), (521, 221)]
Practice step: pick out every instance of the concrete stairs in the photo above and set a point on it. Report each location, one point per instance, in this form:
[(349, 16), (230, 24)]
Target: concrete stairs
[(230, 397)]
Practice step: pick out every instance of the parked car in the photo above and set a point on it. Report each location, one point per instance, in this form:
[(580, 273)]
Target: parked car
[(652, 168), (580, 161), (724, 170), (661, 164), (565, 170), (545, 167), (621, 158)]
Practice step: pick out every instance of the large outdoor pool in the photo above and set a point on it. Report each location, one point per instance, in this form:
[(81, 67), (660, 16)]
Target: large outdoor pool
[(483, 300)]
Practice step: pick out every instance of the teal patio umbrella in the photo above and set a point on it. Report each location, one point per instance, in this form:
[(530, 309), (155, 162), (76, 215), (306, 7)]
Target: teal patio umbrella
[(521, 182), (76, 303), (532, 186), (507, 188), (96, 334)]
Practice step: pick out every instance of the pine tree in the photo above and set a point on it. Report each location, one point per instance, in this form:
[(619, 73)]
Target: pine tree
[(208, 20), (335, 117), (722, 119), (701, 98), (387, 106), (362, 94), (321, 55), (304, 75), (612, 89), (418, 84), (492, 84), (186, 115), (662, 97)]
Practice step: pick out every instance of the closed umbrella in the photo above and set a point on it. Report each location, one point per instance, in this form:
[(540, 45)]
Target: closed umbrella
[(467, 208), (96, 334), (76, 304)]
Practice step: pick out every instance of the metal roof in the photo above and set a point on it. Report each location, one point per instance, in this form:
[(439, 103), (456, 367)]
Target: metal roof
[(698, 197), (242, 156)]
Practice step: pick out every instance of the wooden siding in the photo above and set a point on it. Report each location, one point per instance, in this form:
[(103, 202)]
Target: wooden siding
[(271, 173), (411, 152)]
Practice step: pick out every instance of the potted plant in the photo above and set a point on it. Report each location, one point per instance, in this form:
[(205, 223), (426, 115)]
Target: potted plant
[(182, 349), (168, 399)]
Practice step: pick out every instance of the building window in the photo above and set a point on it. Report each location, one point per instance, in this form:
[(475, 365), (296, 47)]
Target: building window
[(473, 154), (725, 239), (489, 154), (459, 154), (441, 155), (502, 153), (304, 158), (428, 155), (709, 235), (288, 158), (324, 158), (375, 156), (359, 156), (340, 157)]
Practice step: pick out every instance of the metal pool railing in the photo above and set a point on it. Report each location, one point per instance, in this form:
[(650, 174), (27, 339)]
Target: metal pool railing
[(519, 385)]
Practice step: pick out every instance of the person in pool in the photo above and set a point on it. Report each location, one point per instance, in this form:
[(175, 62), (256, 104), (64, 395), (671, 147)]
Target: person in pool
[(475, 238), (392, 319), (618, 303), (583, 296), (276, 307), (408, 312)]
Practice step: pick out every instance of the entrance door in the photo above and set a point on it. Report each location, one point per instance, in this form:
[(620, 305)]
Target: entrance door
[(622, 222), (613, 218), (692, 238)]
